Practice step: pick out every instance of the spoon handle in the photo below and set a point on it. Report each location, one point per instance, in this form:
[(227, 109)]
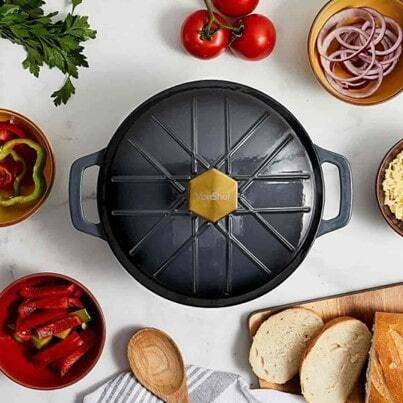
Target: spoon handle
[(180, 396)]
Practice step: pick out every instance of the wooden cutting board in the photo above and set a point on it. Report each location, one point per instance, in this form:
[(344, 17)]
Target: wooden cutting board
[(360, 304)]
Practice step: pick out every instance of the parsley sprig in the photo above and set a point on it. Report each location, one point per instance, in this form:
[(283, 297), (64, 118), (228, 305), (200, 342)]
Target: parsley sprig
[(56, 43)]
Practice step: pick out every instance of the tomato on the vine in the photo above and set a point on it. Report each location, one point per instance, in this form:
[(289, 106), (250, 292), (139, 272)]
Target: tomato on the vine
[(257, 39), (199, 40), (235, 8)]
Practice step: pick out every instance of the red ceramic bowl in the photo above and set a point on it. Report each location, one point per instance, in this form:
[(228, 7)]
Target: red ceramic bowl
[(15, 357)]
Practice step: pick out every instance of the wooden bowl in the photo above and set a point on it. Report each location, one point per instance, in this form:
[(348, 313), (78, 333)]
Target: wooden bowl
[(15, 358), (390, 218), (13, 215), (392, 84)]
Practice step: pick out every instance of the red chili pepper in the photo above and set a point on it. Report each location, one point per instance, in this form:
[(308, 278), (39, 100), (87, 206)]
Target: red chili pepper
[(39, 318), (60, 350), (9, 131), (30, 306), (59, 326), (65, 364), (48, 291)]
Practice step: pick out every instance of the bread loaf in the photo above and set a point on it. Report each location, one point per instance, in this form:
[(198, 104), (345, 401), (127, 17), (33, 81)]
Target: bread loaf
[(385, 369)]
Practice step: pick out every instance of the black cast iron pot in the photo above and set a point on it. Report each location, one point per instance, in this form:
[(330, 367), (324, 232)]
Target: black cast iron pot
[(180, 134)]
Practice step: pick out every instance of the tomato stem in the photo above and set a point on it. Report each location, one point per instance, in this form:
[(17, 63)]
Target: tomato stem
[(213, 20)]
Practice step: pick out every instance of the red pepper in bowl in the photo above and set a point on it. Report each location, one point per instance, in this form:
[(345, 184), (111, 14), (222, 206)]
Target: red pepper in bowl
[(46, 321), (7, 176), (59, 326), (10, 131), (39, 362), (21, 337), (64, 365), (12, 171), (30, 306), (39, 318), (48, 291), (8, 150), (59, 350)]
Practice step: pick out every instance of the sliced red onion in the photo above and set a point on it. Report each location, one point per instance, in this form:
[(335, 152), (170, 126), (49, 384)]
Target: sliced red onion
[(340, 18), (359, 84), (359, 76), (399, 33), (335, 34), (386, 70), (373, 73), (395, 43), (387, 64), (361, 93), (382, 21), (369, 50), (367, 16)]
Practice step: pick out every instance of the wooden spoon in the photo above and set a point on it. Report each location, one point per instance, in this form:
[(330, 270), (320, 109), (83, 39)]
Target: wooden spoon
[(157, 364)]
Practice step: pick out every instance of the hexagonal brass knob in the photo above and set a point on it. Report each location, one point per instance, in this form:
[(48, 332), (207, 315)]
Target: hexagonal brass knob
[(213, 195)]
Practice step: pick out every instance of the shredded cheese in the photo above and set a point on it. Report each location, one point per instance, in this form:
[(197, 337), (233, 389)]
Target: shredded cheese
[(393, 186)]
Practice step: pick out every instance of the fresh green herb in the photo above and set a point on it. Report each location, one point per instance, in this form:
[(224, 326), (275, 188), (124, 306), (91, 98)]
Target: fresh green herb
[(56, 43)]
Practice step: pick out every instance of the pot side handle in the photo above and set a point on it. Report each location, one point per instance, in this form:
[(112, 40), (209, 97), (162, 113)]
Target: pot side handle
[(75, 184), (346, 191)]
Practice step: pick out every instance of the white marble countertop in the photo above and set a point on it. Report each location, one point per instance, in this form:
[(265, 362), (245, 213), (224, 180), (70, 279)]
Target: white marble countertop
[(136, 55)]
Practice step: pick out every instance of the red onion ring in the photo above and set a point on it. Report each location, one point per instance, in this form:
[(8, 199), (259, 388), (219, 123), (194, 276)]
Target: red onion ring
[(386, 43), (397, 40), (374, 86), (398, 43), (328, 70), (325, 41), (382, 21), (335, 35), (341, 17), (368, 49), (388, 64), (360, 47)]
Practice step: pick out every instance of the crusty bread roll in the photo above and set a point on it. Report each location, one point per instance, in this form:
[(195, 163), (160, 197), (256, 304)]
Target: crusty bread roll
[(385, 369), (333, 361), (280, 341)]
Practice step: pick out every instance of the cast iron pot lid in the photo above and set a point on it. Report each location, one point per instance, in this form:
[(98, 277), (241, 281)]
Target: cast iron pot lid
[(210, 193)]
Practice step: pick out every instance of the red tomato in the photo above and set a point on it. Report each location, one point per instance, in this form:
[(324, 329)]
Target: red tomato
[(9, 131), (195, 41), (257, 39), (7, 176), (235, 8)]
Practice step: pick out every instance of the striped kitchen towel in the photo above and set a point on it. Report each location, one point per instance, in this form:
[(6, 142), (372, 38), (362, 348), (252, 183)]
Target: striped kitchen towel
[(205, 386)]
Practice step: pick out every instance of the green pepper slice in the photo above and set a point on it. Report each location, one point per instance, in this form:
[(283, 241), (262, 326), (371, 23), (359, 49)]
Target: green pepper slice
[(18, 179), (37, 172)]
